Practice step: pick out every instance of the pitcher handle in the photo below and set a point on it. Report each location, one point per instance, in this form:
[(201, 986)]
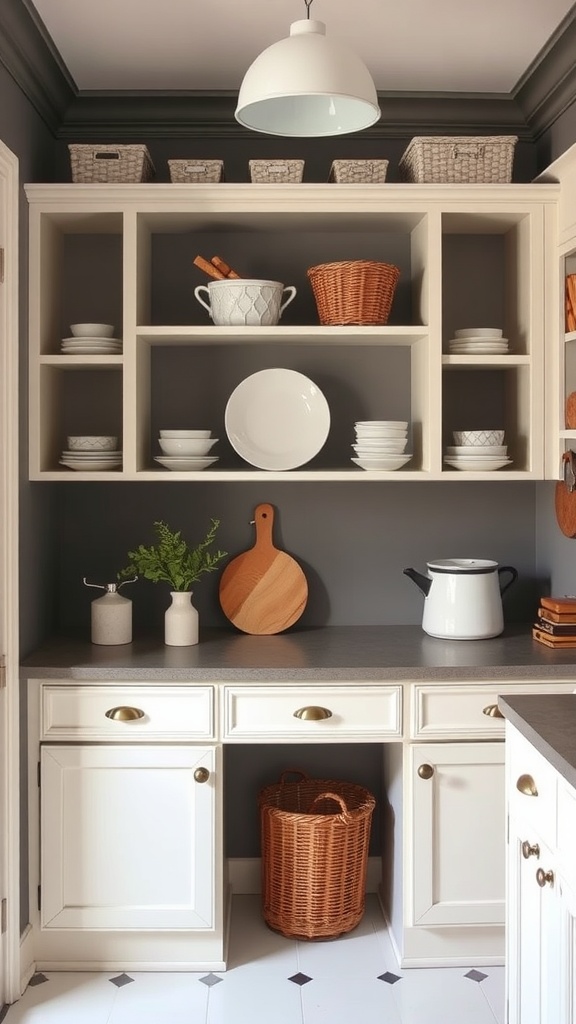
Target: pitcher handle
[(203, 288), (288, 288), (513, 576)]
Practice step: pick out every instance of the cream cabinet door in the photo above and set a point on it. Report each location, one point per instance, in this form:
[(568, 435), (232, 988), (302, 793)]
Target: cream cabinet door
[(456, 837), (127, 837)]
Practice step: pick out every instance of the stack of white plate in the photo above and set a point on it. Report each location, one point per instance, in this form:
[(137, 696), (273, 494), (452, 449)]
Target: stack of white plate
[(186, 449), (472, 341), (381, 444), (91, 452), (91, 340), (477, 450)]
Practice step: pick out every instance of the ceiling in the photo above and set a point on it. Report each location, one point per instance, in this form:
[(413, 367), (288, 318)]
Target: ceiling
[(463, 46)]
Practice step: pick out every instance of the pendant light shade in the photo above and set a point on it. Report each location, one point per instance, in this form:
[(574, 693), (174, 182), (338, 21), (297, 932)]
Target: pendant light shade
[(307, 86)]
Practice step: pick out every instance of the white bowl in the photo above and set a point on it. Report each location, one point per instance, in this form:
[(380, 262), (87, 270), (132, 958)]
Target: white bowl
[(388, 463), (476, 450), (381, 432), (92, 330), (478, 437), (185, 433), (478, 332), (186, 465), (92, 443), (186, 446), (380, 447), (395, 424)]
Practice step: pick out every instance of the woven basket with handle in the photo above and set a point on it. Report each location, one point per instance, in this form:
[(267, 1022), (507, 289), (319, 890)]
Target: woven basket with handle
[(353, 291), (315, 835)]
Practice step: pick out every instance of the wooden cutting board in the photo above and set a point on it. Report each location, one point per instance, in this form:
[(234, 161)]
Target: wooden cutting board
[(263, 590), (565, 498)]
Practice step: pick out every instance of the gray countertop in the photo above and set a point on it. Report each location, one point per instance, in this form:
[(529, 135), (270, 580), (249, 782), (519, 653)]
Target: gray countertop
[(333, 653), (548, 721)]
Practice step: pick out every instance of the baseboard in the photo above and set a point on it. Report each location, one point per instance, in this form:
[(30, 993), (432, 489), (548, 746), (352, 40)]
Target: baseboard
[(244, 874)]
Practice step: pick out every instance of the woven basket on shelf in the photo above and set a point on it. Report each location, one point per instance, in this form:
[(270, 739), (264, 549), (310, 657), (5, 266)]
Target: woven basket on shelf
[(459, 160), (197, 171), (265, 172), (353, 291), (315, 835), (372, 172), (107, 163)]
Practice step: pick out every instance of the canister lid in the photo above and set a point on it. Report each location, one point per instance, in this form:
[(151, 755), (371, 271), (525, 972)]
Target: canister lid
[(472, 566)]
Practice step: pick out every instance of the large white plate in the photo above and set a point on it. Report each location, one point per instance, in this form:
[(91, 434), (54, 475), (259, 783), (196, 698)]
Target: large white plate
[(277, 419)]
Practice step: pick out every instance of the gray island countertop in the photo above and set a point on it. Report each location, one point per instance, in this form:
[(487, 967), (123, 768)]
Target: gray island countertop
[(548, 721), (332, 653)]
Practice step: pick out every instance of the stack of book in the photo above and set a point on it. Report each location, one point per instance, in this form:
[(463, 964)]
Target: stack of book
[(555, 625)]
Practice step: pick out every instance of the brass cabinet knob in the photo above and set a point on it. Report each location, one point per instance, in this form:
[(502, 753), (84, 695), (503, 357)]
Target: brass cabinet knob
[(530, 851), (544, 877), (525, 784), (425, 771), (201, 775), (492, 711), (124, 714), (312, 713)]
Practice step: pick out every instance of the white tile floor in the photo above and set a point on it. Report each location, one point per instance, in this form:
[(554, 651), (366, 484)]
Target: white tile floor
[(273, 980)]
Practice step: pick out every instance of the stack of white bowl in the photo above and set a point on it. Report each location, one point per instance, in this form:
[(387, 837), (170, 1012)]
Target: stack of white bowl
[(381, 444), (91, 452), (478, 341), (477, 450), (92, 340), (186, 449)]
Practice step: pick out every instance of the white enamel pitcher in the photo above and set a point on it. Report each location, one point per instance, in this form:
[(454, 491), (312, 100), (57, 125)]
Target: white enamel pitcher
[(463, 597)]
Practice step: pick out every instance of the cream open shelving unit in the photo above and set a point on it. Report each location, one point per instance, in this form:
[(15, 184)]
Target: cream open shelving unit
[(473, 253)]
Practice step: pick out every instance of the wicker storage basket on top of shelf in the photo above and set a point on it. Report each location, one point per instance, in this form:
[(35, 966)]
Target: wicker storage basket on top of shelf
[(315, 835), (265, 172), (467, 159), (372, 172), (354, 291), (108, 164), (197, 171)]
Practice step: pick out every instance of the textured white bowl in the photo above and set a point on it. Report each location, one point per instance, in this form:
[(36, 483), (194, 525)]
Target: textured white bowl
[(478, 437), (185, 433), (478, 332), (186, 446), (92, 443), (92, 330)]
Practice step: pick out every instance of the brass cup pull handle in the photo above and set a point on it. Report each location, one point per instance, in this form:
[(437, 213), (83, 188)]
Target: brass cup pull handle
[(525, 784), (492, 711), (544, 877), (124, 714), (529, 850), (425, 771), (201, 775), (313, 713)]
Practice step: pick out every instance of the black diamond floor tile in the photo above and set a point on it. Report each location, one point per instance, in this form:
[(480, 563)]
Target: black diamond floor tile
[(211, 979), (37, 979), (475, 975), (300, 979), (121, 980), (389, 978)]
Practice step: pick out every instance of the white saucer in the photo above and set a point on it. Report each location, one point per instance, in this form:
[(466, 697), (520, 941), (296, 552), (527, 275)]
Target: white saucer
[(480, 465), (185, 464), (383, 462), (90, 464)]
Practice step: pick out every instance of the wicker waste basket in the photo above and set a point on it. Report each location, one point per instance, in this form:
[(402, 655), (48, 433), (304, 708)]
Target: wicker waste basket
[(315, 835), (353, 291)]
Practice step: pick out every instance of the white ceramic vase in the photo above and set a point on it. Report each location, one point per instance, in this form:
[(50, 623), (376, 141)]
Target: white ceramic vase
[(181, 620)]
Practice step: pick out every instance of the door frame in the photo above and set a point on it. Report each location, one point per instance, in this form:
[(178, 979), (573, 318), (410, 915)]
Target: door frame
[(10, 981)]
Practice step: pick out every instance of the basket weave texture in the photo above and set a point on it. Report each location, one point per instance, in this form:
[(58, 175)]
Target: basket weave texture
[(196, 171), (264, 172), (315, 835), (107, 163), (372, 172), (460, 160), (354, 291)]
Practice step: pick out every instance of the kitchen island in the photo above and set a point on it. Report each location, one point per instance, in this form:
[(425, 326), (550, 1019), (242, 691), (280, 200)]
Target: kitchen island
[(139, 735)]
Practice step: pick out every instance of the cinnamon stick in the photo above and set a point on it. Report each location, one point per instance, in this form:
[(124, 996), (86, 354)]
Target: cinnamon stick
[(216, 261), (209, 268)]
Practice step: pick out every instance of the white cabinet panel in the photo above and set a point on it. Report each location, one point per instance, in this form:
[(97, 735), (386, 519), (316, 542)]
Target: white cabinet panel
[(127, 837)]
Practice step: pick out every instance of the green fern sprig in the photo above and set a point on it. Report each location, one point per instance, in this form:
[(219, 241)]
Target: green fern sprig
[(172, 560)]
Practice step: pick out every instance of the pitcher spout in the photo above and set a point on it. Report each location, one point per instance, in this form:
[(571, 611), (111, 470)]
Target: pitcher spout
[(423, 582)]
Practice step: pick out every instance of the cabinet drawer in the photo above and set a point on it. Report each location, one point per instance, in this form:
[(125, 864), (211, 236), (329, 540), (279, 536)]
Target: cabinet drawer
[(355, 712), (532, 787), (462, 711), (168, 712)]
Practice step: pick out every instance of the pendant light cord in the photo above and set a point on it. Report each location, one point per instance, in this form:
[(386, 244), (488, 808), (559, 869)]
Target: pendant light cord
[(308, 4)]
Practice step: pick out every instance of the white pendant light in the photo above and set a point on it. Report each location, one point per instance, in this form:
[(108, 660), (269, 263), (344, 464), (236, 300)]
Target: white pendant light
[(307, 86)]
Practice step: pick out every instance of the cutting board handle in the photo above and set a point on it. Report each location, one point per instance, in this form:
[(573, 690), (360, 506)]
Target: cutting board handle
[(264, 521)]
